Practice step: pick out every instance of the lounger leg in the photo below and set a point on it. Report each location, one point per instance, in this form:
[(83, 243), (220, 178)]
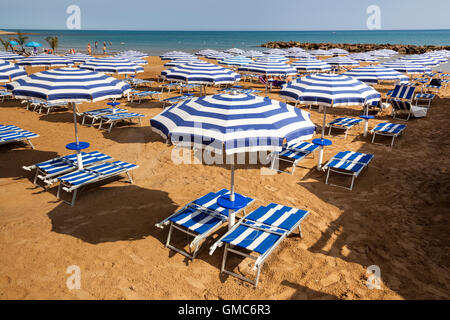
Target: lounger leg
[(35, 177), (373, 137), (100, 125), (300, 231), (328, 176), (129, 177), (224, 258), (353, 180), (110, 127), (329, 132), (31, 145), (59, 192), (392, 143), (74, 197), (257, 276), (169, 235)]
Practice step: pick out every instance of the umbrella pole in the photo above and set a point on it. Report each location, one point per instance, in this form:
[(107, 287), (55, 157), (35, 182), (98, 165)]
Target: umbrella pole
[(231, 213), (79, 158), (319, 161)]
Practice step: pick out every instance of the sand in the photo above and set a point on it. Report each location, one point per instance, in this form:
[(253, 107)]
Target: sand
[(396, 217)]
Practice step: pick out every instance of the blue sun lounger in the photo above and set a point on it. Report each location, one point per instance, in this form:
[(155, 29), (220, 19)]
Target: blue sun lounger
[(427, 97), (11, 134), (407, 107), (199, 218), (96, 114), (5, 95), (143, 94), (71, 182), (344, 123), (348, 163), (388, 129), (113, 118), (174, 100), (48, 170), (292, 154), (261, 231)]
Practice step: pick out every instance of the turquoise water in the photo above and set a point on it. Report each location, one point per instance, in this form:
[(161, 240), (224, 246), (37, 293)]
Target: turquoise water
[(157, 42)]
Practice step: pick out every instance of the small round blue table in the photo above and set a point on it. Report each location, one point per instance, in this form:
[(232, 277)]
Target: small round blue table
[(113, 104), (188, 94), (238, 203), (321, 143), (77, 146), (366, 122)]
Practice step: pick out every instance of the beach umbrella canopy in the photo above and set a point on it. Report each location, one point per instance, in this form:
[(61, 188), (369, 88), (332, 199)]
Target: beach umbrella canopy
[(338, 51), (10, 71), (112, 65), (295, 50), (269, 68), (364, 57), (79, 57), (33, 44), (373, 74), (175, 55), (179, 61), (379, 54), (342, 62), (45, 60), (422, 60), (275, 52), (9, 56), (321, 52), (235, 51), (388, 52), (133, 53), (406, 67), (311, 65), (253, 54), (13, 43), (299, 55), (445, 53), (201, 73), (272, 58), (234, 123), (69, 85), (206, 52), (441, 58), (236, 61), (219, 56)]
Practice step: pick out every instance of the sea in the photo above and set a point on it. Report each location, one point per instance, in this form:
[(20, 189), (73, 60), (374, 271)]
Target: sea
[(159, 42)]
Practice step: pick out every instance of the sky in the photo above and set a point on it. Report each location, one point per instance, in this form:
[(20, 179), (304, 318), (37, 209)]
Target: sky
[(225, 14)]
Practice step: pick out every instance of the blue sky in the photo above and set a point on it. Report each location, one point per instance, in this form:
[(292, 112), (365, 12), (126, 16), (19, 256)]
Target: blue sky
[(225, 14)]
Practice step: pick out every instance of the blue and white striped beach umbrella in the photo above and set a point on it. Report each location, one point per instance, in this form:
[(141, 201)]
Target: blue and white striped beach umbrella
[(201, 73), (269, 68), (329, 90), (320, 53), (338, 51), (69, 85), (175, 55), (219, 56), (373, 74), (295, 50), (437, 56), (234, 123), (236, 51), (363, 57), (279, 52), (272, 58), (236, 61), (299, 55), (311, 65), (10, 56), (133, 53), (45, 60), (253, 54), (424, 60), (79, 57), (206, 52), (342, 62), (378, 54), (10, 72), (112, 65), (177, 62), (406, 67)]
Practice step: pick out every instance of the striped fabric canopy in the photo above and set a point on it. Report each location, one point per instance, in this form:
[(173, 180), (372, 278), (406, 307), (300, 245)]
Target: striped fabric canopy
[(206, 52), (201, 73), (311, 65), (133, 53), (421, 59), (329, 90), (45, 60), (8, 56), (10, 71), (79, 57), (295, 50), (299, 55), (269, 68), (68, 85), (272, 58), (373, 74), (236, 61), (112, 65), (219, 56), (253, 54), (341, 61), (175, 55), (378, 54), (338, 51), (321, 52), (406, 67), (275, 52), (362, 57), (235, 51), (437, 56), (177, 62), (234, 122)]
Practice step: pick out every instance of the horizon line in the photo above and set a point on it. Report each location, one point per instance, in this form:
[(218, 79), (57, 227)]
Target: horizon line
[(225, 30)]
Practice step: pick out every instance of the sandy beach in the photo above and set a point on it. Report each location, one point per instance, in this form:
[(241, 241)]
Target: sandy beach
[(396, 217)]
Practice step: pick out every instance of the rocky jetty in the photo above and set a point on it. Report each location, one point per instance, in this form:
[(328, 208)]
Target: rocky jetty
[(355, 47)]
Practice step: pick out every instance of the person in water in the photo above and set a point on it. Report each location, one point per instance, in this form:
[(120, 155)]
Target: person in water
[(89, 49)]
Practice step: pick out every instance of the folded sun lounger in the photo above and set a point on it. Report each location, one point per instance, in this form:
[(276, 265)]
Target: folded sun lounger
[(112, 119), (71, 182), (388, 129), (48, 170), (199, 218), (399, 106), (10, 134), (344, 123), (261, 231), (292, 154), (348, 163)]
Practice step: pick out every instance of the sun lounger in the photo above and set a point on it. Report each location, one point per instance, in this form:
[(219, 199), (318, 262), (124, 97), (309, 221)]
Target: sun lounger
[(169, 86), (143, 94), (344, 124), (96, 114), (139, 82), (399, 106), (388, 129), (292, 154), (189, 87), (114, 118), (11, 134), (51, 106), (199, 218), (400, 92), (427, 97), (71, 182), (347, 163), (261, 231), (174, 100), (48, 171), (5, 95)]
